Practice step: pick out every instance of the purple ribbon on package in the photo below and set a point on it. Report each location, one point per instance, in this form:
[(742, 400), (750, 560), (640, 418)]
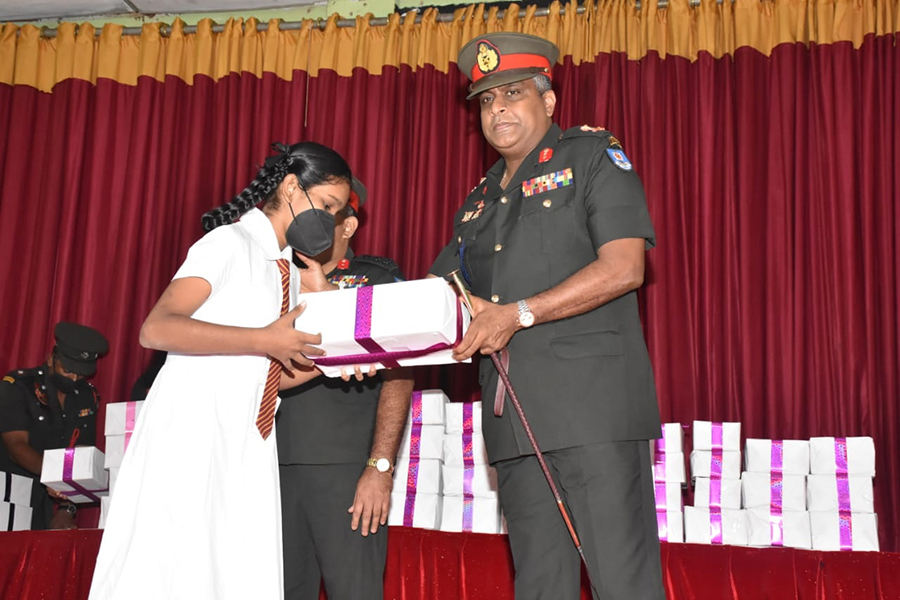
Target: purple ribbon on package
[(362, 334), (468, 468), (843, 492), (68, 462), (776, 493), (415, 442), (715, 434), (715, 484), (715, 525), (662, 525), (130, 412), (659, 458)]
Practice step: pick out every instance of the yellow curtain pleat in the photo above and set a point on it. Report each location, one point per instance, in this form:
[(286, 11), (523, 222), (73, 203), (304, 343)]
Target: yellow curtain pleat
[(605, 26)]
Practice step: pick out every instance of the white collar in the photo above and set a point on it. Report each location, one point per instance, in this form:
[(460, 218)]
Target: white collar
[(258, 225)]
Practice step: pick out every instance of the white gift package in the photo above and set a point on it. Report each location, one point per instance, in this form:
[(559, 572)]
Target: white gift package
[(670, 526), (669, 467), (833, 492), (14, 517), (115, 450), (460, 449), (760, 490), (845, 531), (76, 472), (715, 526), (668, 495), (710, 435), (721, 493), (415, 510), (672, 439), (853, 455), (427, 407), (406, 323), (425, 441), (15, 488), (790, 529), (425, 477), (790, 457), (121, 417), (461, 415), (477, 480), (482, 514), (725, 464)]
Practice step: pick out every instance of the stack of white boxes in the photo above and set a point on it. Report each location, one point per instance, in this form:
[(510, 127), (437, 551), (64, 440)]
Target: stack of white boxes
[(15, 506), (416, 496), (839, 493), (121, 418), (668, 479), (716, 517), (470, 500), (773, 489)]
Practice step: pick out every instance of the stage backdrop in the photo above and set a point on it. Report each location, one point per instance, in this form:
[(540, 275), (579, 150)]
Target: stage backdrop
[(765, 134)]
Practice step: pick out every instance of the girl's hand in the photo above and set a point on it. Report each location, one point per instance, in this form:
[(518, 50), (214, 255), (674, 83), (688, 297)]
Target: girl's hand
[(313, 278), (289, 346)]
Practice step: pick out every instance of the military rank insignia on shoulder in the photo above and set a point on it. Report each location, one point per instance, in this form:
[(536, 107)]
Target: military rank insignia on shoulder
[(9, 379)]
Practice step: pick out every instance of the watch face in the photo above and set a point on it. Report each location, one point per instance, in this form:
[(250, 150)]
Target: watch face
[(383, 465), (526, 319)]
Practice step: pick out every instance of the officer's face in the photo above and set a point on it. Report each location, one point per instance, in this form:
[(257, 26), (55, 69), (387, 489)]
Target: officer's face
[(59, 369), (514, 117)]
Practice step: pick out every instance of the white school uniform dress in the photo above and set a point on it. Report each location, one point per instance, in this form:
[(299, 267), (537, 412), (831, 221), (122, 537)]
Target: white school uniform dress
[(196, 513)]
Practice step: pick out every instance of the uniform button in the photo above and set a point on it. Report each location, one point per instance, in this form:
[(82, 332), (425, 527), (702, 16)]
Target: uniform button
[(498, 247), (40, 417), (495, 298), (459, 240), (504, 200), (547, 203)]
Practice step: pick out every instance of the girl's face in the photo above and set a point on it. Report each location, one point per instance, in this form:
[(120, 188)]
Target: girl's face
[(330, 197)]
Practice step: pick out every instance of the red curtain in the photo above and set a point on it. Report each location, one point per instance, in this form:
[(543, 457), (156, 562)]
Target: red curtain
[(772, 181)]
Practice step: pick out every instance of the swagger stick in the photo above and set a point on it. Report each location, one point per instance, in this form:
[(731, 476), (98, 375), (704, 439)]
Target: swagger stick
[(504, 377)]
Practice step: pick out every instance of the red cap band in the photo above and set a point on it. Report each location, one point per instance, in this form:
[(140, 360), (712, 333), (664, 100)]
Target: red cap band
[(508, 62)]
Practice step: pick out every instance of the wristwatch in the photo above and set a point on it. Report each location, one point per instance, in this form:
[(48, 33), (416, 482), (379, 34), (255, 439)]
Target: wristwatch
[(69, 508), (526, 317), (382, 465)]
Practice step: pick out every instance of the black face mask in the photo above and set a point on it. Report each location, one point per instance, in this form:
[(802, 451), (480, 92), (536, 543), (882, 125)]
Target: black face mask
[(63, 384), (312, 231)]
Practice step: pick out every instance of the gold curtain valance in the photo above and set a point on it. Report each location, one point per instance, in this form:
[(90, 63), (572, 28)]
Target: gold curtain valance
[(27, 58)]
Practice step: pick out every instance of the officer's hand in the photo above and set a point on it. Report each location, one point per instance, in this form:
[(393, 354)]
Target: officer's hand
[(372, 501), (56, 495), (62, 520), (313, 278), (490, 330), (357, 372), (285, 344)]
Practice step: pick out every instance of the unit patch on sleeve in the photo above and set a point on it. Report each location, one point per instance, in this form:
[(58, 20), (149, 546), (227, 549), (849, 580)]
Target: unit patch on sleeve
[(545, 183), (617, 156)]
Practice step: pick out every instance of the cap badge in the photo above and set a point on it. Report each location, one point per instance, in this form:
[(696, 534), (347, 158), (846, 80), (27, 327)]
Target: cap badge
[(488, 58), (85, 355)]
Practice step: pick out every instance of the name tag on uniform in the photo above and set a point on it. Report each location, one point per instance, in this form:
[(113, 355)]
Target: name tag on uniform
[(545, 183)]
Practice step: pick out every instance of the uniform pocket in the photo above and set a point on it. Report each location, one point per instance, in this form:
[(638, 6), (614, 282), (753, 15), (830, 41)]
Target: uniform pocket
[(588, 344)]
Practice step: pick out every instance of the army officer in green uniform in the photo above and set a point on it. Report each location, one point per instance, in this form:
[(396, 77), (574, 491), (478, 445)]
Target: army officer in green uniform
[(337, 442), (47, 407), (552, 244)]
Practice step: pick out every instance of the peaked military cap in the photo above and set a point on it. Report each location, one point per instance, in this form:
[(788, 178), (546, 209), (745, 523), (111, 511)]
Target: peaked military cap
[(358, 194), (79, 346), (497, 59)]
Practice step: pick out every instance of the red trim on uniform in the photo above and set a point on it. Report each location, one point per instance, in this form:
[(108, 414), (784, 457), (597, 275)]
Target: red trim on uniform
[(546, 154), (508, 62), (343, 264)]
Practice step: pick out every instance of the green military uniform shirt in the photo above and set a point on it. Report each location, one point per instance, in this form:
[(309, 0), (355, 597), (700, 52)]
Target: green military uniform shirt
[(586, 378)]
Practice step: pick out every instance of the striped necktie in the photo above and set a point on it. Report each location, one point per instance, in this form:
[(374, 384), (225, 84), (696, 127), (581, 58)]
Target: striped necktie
[(266, 418)]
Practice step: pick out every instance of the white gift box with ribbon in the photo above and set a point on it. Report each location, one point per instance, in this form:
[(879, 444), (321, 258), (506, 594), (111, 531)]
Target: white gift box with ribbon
[(406, 323), (840, 492), (415, 510), (715, 526), (668, 495), (478, 515), (668, 466), (790, 457), (15, 488), (790, 528), (425, 441), (420, 475), (842, 530), (459, 415), (722, 463), (760, 490), (716, 492), (670, 526), (433, 406), (115, 450), (76, 472), (14, 517), (712, 435), (457, 450), (853, 455), (121, 417), (479, 481), (672, 439)]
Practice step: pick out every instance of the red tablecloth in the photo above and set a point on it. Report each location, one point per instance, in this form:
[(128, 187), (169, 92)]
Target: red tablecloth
[(431, 565)]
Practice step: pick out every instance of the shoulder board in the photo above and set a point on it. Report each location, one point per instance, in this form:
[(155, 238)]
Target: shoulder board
[(9, 379), (586, 131), (20, 374), (380, 261)]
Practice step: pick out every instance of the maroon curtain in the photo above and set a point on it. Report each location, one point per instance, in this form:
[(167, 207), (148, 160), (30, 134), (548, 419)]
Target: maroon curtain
[(772, 181)]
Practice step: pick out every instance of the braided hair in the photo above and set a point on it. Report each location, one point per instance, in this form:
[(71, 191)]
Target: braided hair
[(313, 164)]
